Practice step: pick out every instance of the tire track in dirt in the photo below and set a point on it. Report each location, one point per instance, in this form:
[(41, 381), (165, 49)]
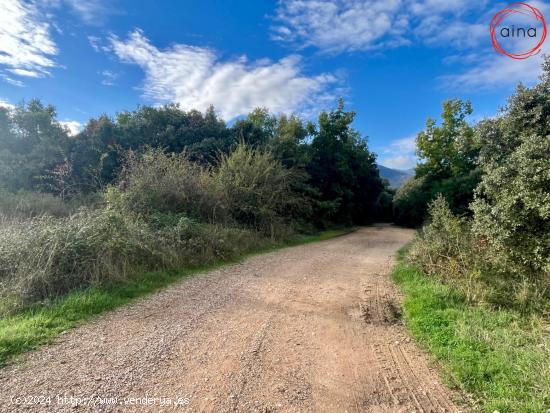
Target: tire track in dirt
[(313, 328)]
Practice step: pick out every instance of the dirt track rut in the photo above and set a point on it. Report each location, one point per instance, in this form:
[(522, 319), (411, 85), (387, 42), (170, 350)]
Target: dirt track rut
[(313, 328)]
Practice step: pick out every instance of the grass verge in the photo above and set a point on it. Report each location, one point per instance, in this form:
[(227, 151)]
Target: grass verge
[(500, 357), (40, 324)]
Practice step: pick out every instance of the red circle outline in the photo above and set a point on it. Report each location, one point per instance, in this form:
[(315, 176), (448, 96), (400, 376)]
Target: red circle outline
[(522, 8)]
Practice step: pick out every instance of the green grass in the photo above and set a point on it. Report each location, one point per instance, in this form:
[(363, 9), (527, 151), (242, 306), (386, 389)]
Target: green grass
[(500, 357), (40, 324)]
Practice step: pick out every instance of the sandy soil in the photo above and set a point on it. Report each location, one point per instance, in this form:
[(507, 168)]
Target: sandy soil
[(313, 328)]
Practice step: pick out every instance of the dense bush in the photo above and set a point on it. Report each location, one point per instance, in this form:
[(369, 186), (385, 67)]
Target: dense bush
[(338, 179), (167, 182), (448, 248), (409, 202), (445, 247), (500, 246), (512, 206), (165, 212), (257, 189), (32, 145)]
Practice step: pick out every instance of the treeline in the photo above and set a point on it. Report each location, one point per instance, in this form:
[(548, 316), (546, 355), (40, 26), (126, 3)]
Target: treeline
[(333, 170), (485, 189), (161, 188)]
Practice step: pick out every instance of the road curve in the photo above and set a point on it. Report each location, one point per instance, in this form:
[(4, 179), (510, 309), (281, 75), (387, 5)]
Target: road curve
[(312, 328)]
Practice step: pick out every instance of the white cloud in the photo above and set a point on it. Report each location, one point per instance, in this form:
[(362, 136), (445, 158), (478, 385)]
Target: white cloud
[(72, 126), (343, 25), (400, 154), (402, 162), (95, 43), (5, 104), (436, 31), (11, 80), (109, 77), (90, 11), (26, 46), (25, 72), (354, 25), (196, 77), (495, 71)]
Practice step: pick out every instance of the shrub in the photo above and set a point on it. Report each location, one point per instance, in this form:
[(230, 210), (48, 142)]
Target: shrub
[(45, 256), (166, 182), (512, 206), (445, 248), (257, 189), (449, 249)]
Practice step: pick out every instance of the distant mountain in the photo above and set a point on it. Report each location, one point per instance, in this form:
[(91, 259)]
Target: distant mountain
[(395, 176)]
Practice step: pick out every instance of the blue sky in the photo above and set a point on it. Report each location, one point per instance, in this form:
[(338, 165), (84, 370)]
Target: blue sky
[(393, 61)]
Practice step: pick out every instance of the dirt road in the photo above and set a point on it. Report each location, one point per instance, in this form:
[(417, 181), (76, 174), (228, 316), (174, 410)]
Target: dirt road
[(313, 328)]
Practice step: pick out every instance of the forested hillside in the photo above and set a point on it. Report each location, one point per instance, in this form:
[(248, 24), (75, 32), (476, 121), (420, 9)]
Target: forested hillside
[(395, 177)]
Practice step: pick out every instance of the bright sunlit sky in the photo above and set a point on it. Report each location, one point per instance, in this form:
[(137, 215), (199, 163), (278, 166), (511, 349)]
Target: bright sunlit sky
[(393, 61)]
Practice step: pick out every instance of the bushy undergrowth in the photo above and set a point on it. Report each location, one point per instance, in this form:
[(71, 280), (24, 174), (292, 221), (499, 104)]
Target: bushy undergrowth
[(448, 248), (155, 181), (165, 213), (248, 188), (44, 257)]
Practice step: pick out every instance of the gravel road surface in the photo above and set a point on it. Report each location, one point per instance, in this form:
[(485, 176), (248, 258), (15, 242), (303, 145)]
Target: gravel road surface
[(312, 328)]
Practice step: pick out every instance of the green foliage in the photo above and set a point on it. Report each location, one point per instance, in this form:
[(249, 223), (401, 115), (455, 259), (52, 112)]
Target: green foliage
[(448, 154), (343, 170), (334, 172), (409, 202), (512, 205), (167, 182), (449, 149), (257, 188), (45, 257), (445, 248), (500, 357), (32, 144), (448, 248)]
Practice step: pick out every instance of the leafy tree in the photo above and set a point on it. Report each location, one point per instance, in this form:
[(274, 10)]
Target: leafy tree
[(343, 169), (449, 149), (448, 154), (32, 145)]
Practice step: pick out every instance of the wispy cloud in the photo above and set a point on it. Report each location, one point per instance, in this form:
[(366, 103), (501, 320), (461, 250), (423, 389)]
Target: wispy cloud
[(109, 77), (359, 25), (197, 77), (400, 154), (494, 71), (460, 26), (91, 12), (485, 69), (11, 81), (26, 46)]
